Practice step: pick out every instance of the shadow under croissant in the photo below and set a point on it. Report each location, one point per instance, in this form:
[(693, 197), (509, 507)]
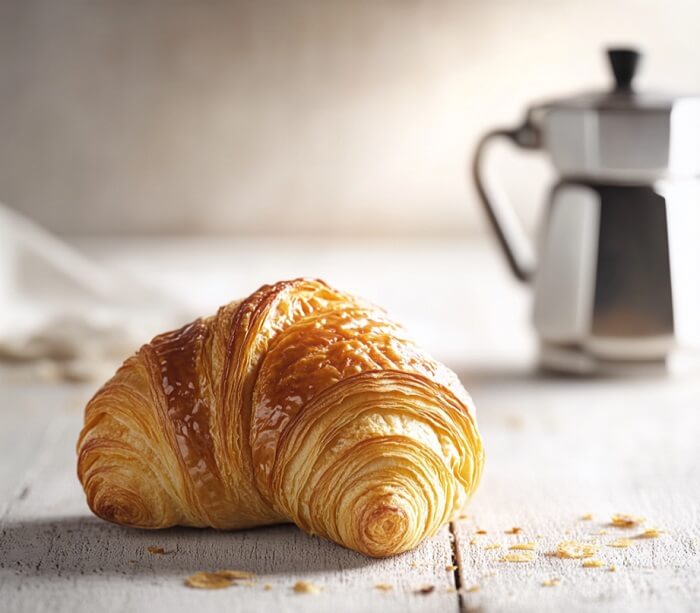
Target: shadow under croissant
[(72, 546)]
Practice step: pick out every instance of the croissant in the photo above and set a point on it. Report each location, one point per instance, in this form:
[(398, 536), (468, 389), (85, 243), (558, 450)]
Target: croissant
[(300, 403)]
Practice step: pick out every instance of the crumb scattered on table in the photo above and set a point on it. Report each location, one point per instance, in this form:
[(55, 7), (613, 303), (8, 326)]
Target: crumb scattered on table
[(159, 551), (518, 556), (208, 581), (551, 582), (587, 517), (492, 546), (650, 533), (481, 531), (306, 587), (620, 543), (426, 589), (623, 520), (267, 587), (236, 574), (576, 550), (612, 569), (384, 587), (592, 563), (472, 588), (450, 567), (523, 546), (514, 530), (219, 579)]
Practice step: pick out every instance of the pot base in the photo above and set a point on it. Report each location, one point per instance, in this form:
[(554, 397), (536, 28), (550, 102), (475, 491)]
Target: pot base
[(575, 360)]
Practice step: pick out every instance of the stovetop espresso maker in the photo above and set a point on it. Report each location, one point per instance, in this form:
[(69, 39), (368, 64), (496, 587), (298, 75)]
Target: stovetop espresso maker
[(616, 267)]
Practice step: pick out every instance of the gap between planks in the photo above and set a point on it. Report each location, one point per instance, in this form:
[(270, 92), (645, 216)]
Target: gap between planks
[(456, 562)]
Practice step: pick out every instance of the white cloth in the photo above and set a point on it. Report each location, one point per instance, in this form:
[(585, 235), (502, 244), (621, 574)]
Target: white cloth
[(62, 315)]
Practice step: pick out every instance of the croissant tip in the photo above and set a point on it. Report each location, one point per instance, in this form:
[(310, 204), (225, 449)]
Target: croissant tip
[(117, 508), (384, 530)]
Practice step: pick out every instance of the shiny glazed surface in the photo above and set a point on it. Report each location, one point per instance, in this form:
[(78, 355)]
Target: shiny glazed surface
[(299, 403)]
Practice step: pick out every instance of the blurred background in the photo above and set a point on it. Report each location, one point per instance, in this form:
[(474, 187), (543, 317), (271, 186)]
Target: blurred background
[(202, 148), (313, 117)]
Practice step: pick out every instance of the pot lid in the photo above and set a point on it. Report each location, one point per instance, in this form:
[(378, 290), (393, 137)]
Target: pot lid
[(624, 63)]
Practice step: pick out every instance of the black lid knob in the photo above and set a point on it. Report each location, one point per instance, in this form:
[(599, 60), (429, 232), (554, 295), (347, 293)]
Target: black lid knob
[(624, 62)]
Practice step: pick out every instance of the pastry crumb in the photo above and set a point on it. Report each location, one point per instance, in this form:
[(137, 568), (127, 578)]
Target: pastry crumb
[(623, 520), (208, 581), (472, 588), (523, 556), (472, 542), (587, 517), (551, 582), (221, 578), (524, 546), (383, 587), (306, 587), (592, 563), (450, 567), (492, 546), (267, 587), (650, 533), (426, 589), (601, 532), (158, 551), (514, 530), (612, 569), (450, 590), (576, 550), (620, 543), (235, 574), (481, 531)]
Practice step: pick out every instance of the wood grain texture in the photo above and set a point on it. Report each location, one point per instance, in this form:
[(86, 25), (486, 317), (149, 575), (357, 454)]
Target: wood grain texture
[(559, 449)]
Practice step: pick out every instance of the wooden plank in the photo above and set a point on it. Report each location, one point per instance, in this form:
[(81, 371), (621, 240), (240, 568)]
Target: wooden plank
[(54, 556), (28, 413), (558, 449)]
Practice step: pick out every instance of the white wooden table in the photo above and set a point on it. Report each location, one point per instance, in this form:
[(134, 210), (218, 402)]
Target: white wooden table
[(556, 449)]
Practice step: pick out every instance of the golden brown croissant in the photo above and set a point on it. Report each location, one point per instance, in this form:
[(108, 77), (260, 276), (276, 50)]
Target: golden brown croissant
[(299, 403)]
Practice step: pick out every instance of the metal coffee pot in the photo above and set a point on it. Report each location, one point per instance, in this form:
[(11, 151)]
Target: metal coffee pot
[(616, 267)]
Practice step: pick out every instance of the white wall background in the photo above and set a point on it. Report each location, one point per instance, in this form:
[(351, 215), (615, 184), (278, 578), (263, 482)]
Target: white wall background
[(295, 117)]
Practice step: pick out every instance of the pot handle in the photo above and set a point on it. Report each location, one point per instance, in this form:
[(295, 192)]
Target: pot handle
[(515, 243)]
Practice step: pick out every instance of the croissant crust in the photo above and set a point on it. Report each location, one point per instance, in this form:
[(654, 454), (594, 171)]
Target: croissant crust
[(300, 403)]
